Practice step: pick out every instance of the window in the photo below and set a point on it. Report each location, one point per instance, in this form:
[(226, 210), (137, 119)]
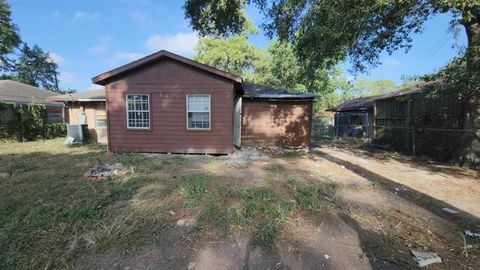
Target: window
[(198, 111), (138, 111), (100, 116)]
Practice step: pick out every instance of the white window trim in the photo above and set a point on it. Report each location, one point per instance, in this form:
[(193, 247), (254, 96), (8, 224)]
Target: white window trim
[(149, 112), (209, 111)]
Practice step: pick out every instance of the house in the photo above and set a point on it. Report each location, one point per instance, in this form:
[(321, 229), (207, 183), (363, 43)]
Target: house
[(20, 93), (170, 104), (87, 108), (354, 118)]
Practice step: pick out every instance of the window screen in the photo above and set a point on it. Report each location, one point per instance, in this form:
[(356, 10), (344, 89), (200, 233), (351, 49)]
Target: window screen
[(198, 111)]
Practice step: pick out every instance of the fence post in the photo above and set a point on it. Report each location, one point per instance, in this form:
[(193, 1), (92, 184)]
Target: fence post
[(413, 140)]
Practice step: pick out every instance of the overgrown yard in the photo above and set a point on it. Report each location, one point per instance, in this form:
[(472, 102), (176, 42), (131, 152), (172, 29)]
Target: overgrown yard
[(250, 210)]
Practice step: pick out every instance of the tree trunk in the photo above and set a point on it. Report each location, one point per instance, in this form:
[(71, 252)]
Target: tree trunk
[(470, 152)]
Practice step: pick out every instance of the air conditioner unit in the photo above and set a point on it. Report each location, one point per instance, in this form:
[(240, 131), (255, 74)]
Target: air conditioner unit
[(78, 132)]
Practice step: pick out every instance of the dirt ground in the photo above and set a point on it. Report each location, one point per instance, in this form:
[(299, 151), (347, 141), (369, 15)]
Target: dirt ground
[(389, 206)]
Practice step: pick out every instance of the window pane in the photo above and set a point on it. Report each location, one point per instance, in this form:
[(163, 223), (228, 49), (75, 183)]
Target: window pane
[(138, 111)]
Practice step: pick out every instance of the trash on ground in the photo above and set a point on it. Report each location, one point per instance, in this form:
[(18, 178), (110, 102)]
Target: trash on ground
[(356, 184), (472, 234), (449, 210), (342, 166), (69, 141), (103, 172), (425, 258), (327, 257)]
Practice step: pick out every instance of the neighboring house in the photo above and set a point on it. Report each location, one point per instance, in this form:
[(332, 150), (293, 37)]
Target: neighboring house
[(354, 116), (171, 104), (87, 108), (20, 93)]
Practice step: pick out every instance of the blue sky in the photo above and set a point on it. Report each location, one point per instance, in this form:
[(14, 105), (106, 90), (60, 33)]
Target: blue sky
[(89, 37)]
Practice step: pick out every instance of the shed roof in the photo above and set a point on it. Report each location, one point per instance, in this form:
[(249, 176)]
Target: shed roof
[(259, 91), (87, 96), (20, 93), (103, 78), (366, 103)]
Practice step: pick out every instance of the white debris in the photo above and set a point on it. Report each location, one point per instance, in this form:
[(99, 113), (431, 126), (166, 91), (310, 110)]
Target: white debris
[(327, 257), (181, 222), (472, 234), (191, 265), (425, 258), (171, 212), (342, 166), (449, 210), (69, 141)]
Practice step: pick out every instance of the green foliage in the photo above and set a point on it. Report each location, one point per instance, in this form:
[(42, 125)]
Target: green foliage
[(29, 123), (329, 31), (9, 38), (193, 188), (34, 67), (314, 197)]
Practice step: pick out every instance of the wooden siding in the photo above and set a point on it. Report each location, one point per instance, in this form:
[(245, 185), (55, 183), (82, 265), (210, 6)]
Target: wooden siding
[(97, 134), (168, 82), (276, 123)]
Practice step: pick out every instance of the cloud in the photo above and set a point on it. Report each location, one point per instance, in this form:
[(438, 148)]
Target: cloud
[(82, 15), (392, 62), (181, 43), (56, 58), (66, 77), (102, 46)]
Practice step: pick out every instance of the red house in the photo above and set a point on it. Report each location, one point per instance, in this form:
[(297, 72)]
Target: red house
[(166, 103)]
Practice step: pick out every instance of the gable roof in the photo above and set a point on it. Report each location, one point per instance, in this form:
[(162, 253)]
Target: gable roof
[(366, 103), (92, 95), (259, 91), (20, 93), (103, 78)]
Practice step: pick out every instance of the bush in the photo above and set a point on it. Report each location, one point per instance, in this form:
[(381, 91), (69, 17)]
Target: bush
[(28, 123)]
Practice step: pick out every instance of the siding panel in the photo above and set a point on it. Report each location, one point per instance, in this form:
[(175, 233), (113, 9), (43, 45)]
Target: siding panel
[(276, 123), (168, 82)]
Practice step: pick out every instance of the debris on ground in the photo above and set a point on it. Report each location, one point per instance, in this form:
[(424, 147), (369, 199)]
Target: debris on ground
[(425, 258), (327, 256), (106, 171), (449, 210), (472, 234), (4, 175), (245, 156), (191, 265), (69, 141)]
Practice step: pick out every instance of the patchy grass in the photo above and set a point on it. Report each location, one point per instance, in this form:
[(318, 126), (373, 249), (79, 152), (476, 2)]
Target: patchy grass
[(314, 197), (274, 168), (50, 214)]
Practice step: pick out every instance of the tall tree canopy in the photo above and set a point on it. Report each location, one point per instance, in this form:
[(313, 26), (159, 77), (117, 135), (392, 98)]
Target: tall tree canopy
[(9, 38), (35, 67), (327, 31)]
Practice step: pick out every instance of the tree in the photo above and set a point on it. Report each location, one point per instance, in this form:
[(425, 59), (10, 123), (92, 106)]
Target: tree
[(9, 38), (34, 67), (328, 31), (364, 87)]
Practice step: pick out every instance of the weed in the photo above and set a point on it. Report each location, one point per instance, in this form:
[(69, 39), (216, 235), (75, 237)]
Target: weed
[(313, 197), (264, 235), (274, 168), (193, 188)]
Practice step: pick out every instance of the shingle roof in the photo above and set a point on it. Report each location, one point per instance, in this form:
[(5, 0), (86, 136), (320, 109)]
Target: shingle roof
[(20, 93), (361, 103), (259, 91), (103, 78), (365, 103), (92, 95)]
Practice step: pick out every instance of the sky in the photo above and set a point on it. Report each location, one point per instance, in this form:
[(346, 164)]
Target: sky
[(86, 38)]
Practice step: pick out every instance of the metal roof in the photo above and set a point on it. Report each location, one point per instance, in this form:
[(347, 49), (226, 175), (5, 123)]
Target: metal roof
[(259, 91), (20, 93), (87, 96)]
